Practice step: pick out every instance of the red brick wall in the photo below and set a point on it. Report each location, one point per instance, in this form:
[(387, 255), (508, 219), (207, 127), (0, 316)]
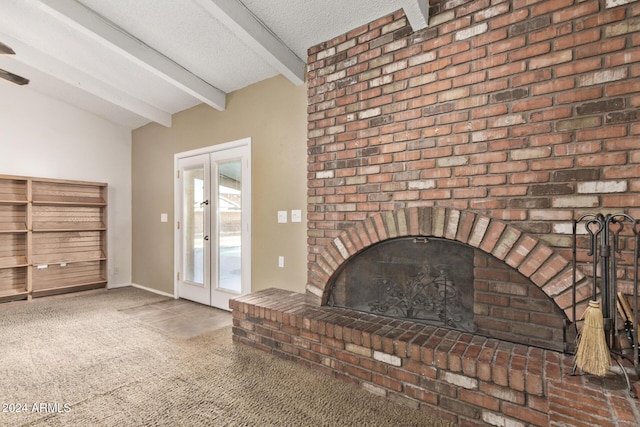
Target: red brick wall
[(510, 307), (524, 111)]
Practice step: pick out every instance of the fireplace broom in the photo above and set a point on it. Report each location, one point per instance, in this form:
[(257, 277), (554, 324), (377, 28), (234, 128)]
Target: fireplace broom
[(592, 354)]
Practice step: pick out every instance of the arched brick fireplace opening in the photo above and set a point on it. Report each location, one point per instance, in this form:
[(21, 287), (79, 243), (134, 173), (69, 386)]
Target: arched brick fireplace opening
[(544, 266)]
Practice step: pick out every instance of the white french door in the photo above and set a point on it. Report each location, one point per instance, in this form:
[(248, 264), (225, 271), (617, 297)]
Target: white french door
[(213, 235)]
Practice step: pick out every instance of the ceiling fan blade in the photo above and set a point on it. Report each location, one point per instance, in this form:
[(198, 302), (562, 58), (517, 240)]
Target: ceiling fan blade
[(13, 78), (4, 49)]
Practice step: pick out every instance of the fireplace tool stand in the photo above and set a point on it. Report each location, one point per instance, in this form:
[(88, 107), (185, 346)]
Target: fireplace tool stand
[(604, 233)]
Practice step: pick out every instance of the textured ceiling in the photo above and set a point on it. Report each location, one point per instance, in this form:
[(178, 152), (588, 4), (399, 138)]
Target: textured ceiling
[(140, 61), (197, 41), (323, 19)]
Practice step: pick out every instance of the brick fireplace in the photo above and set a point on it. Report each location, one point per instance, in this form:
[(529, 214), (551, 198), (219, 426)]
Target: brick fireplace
[(492, 128), (509, 302)]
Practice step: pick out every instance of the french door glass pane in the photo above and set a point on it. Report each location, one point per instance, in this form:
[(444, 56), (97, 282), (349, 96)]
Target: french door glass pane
[(229, 225), (194, 225)]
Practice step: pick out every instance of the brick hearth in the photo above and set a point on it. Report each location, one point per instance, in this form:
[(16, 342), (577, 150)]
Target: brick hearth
[(465, 379), (494, 127)]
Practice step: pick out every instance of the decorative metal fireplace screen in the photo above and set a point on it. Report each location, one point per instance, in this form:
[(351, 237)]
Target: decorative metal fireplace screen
[(428, 280)]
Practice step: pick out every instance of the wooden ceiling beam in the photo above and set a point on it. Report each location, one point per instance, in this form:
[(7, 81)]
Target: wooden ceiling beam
[(6, 50), (70, 75), (417, 12), (83, 19), (248, 28)]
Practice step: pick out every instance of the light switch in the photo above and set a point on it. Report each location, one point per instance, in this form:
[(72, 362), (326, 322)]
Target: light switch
[(281, 261), (282, 217), (164, 217), (296, 215)]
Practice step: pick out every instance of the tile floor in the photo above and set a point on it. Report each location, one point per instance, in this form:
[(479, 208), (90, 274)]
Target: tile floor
[(181, 318)]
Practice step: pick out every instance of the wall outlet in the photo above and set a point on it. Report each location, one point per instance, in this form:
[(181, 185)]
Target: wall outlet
[(281, 261), (164, 217)]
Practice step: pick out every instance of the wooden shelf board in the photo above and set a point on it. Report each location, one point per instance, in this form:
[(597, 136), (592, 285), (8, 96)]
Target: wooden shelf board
[(56, 181), (68, 283), (68, 201), (64, 230), (13, 261), (41, 259), (13, 228), (13, 292), (61, 226), (69, 287), (13, 191), (14, 201)]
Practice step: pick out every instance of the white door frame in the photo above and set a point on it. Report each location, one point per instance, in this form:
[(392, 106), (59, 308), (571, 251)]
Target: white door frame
[(246, 212), (187, 289)]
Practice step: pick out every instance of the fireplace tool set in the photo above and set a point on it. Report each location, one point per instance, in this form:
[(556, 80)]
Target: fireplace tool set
[(610, 326)]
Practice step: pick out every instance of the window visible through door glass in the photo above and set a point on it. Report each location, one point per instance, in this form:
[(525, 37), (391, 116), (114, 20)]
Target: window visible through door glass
[(229, 225), (194, 225)]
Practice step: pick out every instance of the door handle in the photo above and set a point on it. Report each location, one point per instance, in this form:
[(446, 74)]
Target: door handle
[(206, 202), (206, 237)]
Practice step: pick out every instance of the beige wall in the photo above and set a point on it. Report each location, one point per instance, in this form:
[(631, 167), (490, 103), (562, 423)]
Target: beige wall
[(273, 114)]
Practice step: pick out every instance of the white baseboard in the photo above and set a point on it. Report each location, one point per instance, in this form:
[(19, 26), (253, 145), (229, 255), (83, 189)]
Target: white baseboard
[(155, 291), (119, 285)]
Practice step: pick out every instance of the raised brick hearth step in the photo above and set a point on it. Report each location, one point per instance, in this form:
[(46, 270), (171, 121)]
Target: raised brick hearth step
[(463, 378)]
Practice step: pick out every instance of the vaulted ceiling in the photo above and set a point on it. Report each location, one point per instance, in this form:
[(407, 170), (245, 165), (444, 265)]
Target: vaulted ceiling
[(139, 61)]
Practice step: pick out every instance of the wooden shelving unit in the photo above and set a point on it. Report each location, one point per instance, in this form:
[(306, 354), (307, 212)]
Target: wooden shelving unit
[(53, 236), (14, 236)]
